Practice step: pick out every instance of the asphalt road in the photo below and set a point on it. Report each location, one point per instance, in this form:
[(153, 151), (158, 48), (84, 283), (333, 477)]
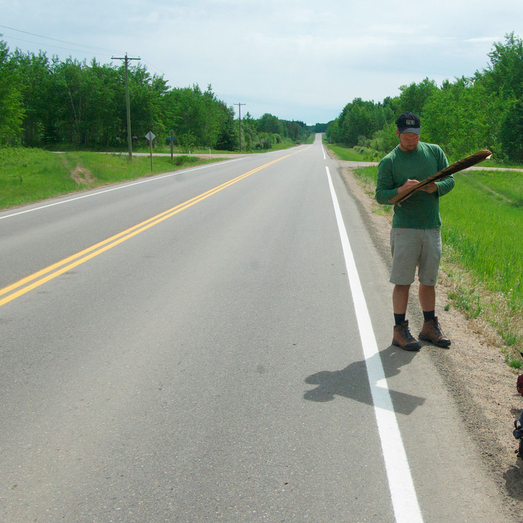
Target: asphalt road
[(202, 346)]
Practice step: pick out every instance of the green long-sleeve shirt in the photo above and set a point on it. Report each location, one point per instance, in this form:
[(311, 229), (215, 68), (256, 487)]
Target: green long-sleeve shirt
[(421, 210)]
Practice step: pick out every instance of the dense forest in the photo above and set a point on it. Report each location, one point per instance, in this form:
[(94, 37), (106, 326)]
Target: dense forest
[(45, 102), (463, 116)]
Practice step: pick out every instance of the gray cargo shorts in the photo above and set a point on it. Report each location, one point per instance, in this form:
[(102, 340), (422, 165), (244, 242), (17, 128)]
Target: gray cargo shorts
[(413, 248)]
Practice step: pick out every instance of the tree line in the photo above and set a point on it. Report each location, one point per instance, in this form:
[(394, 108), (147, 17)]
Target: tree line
[(45, 102), (462, 116)]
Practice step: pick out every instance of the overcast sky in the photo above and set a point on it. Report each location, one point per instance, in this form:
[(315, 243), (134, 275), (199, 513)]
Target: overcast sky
[(296, 59)]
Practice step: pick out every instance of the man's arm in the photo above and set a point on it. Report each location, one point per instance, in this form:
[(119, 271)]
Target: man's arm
[(445, 185), (385, 186)]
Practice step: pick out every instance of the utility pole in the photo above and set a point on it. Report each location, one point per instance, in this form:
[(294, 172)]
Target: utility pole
[(240, 122), (128, 105)]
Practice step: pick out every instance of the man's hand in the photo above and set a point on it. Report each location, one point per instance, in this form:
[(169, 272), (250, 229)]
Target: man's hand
[(407, 185), (430, 188)]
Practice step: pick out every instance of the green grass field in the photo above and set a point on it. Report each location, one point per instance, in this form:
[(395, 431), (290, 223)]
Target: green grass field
[(29, 175), (507, 184), (483, 221), (349, 155)]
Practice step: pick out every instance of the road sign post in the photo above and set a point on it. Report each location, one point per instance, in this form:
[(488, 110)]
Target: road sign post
[(150, 136)]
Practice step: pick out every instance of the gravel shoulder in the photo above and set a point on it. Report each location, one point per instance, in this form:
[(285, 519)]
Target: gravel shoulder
[(474, 369)]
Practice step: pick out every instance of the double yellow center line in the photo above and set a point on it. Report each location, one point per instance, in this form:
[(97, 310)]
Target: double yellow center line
[(33, 281)]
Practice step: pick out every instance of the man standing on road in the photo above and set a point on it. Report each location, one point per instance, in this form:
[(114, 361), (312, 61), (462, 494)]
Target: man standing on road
[(415, 236)]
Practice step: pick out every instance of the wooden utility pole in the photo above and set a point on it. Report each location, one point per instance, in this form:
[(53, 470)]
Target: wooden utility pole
[(240, 122), (127, 103)]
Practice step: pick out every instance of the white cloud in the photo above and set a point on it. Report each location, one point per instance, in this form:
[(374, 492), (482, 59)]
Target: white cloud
[(485, 39)]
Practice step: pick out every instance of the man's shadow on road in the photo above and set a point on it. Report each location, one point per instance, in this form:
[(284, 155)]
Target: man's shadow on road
[(352, 382)]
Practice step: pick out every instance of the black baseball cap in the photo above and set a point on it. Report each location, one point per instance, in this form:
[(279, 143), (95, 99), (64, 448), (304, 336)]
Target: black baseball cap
[(408, 123)]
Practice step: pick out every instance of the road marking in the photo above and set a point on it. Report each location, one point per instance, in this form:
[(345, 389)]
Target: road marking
[(33, 281), (403, 494)]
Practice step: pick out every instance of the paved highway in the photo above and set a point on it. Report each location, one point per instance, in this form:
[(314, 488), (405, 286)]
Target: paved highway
[(202, 346)]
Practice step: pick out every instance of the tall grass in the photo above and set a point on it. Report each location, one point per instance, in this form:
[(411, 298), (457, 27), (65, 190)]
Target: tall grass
[(367, 174), (28, 175)]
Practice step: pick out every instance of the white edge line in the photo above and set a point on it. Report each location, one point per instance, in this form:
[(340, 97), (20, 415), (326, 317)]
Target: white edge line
[(115, 188), (403, 494)]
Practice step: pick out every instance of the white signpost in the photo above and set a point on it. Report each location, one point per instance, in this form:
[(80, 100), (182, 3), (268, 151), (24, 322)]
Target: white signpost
[(151, 136)]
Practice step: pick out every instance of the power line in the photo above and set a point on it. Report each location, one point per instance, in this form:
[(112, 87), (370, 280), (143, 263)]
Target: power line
[(86, 48), (162, 73), (10, 38), (61, 41)]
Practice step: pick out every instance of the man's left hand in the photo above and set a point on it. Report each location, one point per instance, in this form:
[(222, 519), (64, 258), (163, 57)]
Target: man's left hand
[(430, 188)]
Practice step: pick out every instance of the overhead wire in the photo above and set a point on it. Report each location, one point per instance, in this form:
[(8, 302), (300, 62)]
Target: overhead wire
[(85, 47), (82, 47)]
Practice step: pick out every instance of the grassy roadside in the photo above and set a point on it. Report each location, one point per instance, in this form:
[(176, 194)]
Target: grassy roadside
[(29, 175), (349, 155), (482, 263)]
